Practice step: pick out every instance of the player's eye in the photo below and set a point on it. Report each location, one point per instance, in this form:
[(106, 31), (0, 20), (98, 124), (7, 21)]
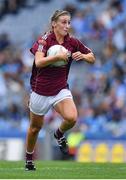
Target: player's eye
[(66, 22)]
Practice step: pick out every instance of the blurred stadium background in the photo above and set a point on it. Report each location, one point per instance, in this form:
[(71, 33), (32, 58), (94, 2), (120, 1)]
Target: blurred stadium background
[(99, 91)]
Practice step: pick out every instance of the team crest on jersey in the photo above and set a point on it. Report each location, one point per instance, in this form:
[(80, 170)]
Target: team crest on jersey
[(42, 41)]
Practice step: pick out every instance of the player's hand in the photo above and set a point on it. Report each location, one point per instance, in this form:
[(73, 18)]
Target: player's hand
[(77, 55), (62, 55)]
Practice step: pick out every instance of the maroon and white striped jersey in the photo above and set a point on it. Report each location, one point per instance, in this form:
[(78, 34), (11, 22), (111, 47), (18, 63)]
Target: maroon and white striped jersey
[(49, 80)]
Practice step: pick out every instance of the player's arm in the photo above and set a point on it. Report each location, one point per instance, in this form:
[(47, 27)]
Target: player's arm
[(90, 58), (38, 50), (83, 53), (41, 60)]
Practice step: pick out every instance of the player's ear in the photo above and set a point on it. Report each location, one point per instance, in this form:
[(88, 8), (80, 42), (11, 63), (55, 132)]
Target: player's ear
[(53, 24)]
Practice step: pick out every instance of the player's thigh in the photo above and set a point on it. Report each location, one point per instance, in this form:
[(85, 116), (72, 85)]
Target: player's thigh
[(67, 109), (36, 120)]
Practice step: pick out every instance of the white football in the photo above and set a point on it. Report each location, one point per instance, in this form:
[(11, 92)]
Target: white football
[(54, 50)]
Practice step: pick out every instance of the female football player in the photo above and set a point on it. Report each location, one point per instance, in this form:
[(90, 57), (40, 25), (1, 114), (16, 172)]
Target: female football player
[(49, 83)]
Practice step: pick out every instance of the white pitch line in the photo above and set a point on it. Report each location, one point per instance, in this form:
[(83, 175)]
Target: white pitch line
[(61, 168), (10, 169)]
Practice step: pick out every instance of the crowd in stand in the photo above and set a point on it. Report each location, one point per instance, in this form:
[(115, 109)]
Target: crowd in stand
[(11, 6), (102, 111), (14, 6), (101, 94)]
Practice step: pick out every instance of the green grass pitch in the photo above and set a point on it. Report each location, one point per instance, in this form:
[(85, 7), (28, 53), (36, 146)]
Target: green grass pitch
[(63, 170)]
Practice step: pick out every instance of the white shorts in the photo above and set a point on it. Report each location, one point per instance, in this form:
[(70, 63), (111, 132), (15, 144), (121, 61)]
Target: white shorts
[(40, 105)]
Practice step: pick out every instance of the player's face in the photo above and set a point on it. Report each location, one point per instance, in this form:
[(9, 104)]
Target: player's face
[(62, 25)]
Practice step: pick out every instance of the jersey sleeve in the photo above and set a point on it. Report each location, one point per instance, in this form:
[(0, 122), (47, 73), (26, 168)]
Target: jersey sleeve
[(40, 45), (82, 48)]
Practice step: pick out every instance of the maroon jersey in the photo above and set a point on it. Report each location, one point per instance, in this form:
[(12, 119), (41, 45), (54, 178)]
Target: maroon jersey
[(49, 80)]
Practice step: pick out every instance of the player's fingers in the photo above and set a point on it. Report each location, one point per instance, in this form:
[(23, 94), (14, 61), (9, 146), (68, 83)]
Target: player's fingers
[(76, 56)]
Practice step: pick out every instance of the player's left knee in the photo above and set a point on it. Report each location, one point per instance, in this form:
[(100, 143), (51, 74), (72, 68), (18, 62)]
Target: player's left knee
[(72, 119)]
